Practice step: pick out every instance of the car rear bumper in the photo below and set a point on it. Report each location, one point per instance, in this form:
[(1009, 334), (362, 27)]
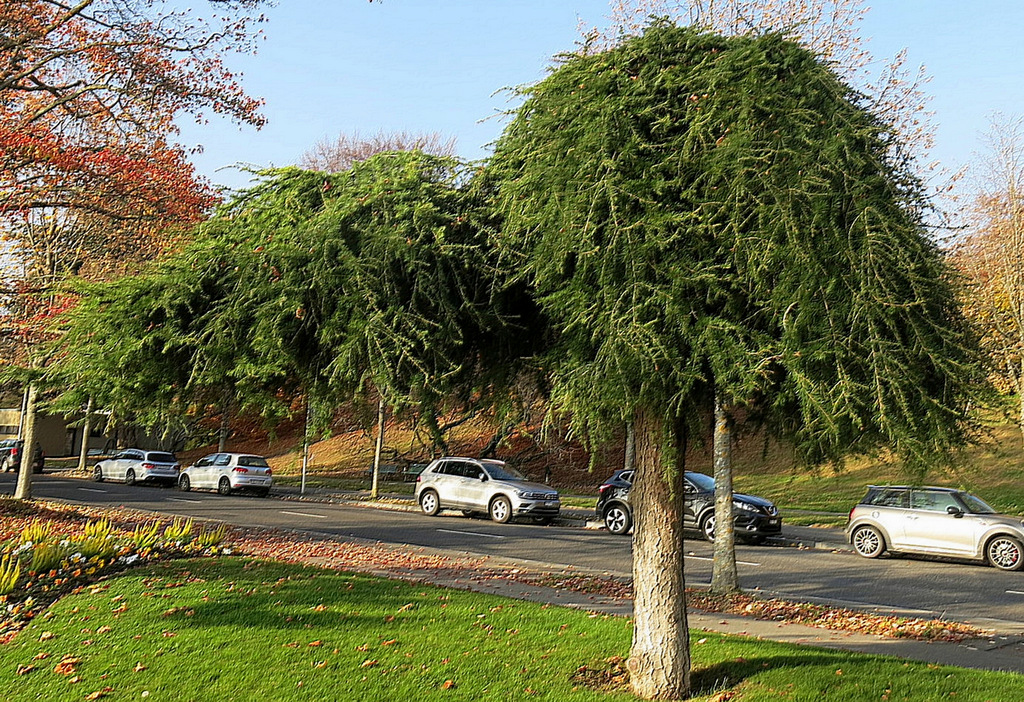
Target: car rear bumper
[(260, 482)]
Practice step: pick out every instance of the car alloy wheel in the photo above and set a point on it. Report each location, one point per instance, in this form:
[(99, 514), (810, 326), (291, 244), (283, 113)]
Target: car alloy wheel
[(97, 474), (224, 486), (501, 509), (707, 526), (618, 519), (184, 484), (129, 477), (429, 503), (1005, 553), (868, 542)]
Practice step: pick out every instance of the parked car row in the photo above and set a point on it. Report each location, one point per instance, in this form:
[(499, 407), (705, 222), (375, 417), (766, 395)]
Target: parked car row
[(223, 472)]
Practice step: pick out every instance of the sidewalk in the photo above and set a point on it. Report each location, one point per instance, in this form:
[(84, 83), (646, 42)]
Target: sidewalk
[(1004, 651)]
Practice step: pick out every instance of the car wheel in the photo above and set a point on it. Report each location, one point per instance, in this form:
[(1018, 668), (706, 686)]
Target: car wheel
[(97, 473), (707, 526), (618, 519), (184, 484), (429, 503), (129, 477), (224, 486), (501, 509), (1005, 553), (3, 464), (868, 542), (468, 513)]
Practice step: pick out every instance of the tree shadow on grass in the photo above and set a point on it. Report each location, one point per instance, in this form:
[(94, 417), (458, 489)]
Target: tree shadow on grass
[(728, 674)]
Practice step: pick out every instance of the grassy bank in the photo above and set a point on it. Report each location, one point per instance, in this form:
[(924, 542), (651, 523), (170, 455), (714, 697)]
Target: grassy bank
[(233, 629)]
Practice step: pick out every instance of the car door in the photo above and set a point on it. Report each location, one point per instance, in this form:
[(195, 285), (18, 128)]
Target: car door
[(221, 466), (931, 528), (444, 479), (473, 490), (200, 472), (117, 466)]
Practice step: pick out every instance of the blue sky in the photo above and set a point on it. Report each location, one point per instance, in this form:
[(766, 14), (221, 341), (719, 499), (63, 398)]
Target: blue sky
[(328, 67)]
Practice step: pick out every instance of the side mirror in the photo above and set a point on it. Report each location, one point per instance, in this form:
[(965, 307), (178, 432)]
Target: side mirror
[(483, 477), (954, 510)]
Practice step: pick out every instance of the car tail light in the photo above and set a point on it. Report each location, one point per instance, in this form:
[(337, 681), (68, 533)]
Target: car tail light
[(239, 469), (849, 517), (148, 466), (604, 488), (269, 472), (14, 451)]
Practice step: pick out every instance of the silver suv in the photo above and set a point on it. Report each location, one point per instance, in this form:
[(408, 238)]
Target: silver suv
[(935, 521), (484, 485)]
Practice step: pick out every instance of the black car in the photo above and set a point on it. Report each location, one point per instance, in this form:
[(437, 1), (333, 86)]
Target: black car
[(10, 456), (756, 518)]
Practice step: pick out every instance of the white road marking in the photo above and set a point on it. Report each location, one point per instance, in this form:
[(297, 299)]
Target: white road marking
[(93, 490), (305, 514), (711, 560), (1014, 592), (472, 533), (184, 499)]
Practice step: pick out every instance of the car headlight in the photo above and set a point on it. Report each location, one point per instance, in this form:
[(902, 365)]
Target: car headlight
[(746, 506)]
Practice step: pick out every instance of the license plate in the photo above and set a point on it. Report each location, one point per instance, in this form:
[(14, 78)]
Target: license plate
[(773, 522)]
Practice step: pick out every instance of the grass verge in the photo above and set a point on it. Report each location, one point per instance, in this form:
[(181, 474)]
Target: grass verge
[(231, 628)]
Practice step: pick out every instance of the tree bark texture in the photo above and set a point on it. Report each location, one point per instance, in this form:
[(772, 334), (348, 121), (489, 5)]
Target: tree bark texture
[(377, 449), (659, 662), (83, 451), (28, 451), (724, 577), (629, 459)]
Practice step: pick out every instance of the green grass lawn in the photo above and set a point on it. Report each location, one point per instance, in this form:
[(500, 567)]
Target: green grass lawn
[(233, 629)]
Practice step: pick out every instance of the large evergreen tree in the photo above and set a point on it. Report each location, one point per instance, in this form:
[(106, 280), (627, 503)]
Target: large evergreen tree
[(716, 222)]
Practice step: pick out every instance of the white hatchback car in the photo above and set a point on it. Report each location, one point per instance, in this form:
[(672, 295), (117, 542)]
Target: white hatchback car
[(138, 466), (227, 472), (935, 521), (484, 485)]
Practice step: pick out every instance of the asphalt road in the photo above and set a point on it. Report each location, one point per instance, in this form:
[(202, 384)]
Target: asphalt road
[(916, 587)]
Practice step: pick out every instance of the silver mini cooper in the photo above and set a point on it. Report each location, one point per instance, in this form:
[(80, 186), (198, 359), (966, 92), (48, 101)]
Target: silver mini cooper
[(935, 521), (484, 485)]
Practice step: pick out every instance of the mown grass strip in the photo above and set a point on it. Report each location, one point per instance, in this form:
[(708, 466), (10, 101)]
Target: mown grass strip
[(233, 629)]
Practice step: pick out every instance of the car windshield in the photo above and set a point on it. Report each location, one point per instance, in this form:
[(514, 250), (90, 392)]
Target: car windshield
[(500, 471), (253, 461), (159, 457), (975, 505), (703, 482)]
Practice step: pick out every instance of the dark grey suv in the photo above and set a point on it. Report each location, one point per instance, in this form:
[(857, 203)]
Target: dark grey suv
[(755, 517), (935, 521)]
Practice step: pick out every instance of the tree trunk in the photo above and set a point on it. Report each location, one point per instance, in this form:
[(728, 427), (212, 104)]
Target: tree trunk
[(724, 578), (28, 451), (225, 420), (629, 459), (659, 661), (378, 447), (83, 451)]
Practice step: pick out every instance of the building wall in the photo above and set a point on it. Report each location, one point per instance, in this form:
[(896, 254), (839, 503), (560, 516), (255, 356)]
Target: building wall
[(55, 436)]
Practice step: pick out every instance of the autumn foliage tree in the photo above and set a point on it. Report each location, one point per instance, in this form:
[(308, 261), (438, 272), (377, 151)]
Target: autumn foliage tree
[(89, 95), (991, 255)]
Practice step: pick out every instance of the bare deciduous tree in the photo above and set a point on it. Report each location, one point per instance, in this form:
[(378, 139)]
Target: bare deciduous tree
[(991, 255), (337, 155)]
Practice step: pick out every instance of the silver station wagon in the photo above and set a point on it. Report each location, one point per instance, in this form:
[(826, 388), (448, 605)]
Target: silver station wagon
[(935, 521), (486, 486), (138, 466)]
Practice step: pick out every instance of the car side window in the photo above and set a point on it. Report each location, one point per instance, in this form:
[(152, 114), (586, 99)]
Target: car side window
[(204, 461), (890, 498), (222, 460), (932, 501)]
